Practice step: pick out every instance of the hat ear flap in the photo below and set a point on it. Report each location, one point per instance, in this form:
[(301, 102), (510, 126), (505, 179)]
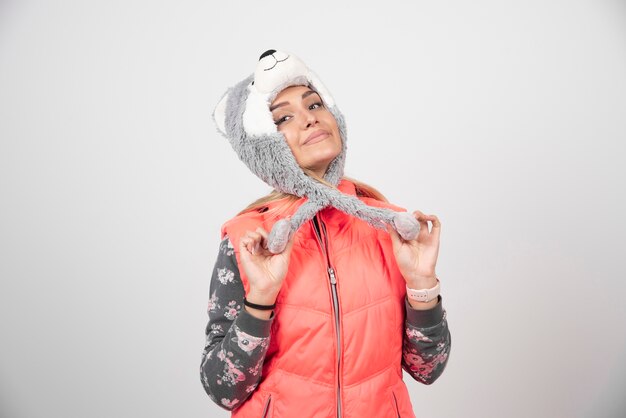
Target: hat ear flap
[(219, 113)]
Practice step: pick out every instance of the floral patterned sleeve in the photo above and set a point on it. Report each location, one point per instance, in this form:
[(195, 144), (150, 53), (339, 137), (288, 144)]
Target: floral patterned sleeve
[(236, 341), (426, 342)]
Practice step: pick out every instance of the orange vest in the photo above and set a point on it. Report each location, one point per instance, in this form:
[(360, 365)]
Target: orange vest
[(336, 338)]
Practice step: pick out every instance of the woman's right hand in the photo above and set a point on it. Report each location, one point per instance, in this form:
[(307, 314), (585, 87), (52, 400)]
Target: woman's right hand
[(266, 271)]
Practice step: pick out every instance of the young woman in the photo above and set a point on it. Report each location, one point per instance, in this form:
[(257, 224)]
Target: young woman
[(323, 326)]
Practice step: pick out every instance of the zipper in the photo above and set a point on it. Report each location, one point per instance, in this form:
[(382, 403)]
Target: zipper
[(333, 283), (267, 406)]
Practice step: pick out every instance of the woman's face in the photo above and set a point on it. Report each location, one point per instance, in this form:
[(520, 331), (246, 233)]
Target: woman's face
[(309, 127)]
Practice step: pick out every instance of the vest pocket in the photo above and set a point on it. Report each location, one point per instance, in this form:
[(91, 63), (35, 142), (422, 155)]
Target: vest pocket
[(266, 408), (395, 404)]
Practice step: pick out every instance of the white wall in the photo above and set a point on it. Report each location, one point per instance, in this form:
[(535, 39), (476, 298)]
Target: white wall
[(505, 119)]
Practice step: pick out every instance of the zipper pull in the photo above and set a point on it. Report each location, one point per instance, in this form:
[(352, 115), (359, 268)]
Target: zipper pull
[(332, 275)]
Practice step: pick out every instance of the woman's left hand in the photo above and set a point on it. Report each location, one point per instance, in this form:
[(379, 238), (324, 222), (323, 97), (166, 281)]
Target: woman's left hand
[(417, 258)]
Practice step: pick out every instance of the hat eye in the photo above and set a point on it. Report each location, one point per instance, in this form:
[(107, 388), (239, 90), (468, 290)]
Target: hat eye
[(266, 53)]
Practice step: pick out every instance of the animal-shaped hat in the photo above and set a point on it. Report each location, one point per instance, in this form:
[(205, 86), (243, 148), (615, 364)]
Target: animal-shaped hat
[(243, 117)]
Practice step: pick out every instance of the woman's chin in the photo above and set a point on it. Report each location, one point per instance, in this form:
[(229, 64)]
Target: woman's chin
[(320, 166)]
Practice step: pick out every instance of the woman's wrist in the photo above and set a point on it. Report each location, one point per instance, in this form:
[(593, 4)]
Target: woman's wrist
[(264, 298), (261, 298), (422, 306), (421, 282)]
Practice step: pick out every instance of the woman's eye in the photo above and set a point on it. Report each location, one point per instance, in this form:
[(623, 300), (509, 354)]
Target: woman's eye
[(281, 120), (313, 106)]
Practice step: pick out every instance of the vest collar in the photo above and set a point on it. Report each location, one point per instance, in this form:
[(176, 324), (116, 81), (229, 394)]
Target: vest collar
[(344, 186), (347, 187)]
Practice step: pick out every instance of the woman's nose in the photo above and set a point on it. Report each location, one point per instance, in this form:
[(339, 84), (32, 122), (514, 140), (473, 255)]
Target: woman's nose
[(309, 118)]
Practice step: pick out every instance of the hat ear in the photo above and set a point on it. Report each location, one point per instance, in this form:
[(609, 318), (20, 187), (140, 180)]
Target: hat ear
[(219, 114)]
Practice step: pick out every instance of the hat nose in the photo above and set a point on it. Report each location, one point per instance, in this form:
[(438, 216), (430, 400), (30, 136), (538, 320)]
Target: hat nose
[(266, 53)]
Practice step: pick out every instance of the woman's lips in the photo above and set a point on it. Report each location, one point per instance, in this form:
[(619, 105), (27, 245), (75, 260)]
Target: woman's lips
[(316, 137)]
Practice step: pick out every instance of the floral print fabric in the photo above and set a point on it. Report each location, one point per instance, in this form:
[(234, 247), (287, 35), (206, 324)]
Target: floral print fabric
[(236, 341), (425, 351)]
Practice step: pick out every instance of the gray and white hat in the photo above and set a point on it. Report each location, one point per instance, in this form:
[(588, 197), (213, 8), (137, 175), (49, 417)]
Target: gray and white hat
[(242, 115)]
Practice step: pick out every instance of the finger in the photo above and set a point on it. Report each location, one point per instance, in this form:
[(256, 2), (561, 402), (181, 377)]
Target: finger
[(244, 248), (436, 226), (421, 218), (248, 238), (264, 235), (255, 235), (252, 242), (396, 240), (256, 240), (435, 230), (433, 220)]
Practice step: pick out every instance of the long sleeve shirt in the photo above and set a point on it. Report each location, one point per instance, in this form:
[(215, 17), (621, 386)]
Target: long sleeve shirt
[(236, 341)]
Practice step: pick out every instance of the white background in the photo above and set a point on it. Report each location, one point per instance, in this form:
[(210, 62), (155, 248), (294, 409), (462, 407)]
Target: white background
[(505, 119)]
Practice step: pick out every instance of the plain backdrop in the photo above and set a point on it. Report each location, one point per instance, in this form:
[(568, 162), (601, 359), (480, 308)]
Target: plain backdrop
[(505, 119)]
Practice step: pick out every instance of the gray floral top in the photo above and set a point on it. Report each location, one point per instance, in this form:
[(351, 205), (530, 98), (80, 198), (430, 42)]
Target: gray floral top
[(236, 341)]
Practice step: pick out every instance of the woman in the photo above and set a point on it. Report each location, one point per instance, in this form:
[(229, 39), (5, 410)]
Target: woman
[(318, 317)]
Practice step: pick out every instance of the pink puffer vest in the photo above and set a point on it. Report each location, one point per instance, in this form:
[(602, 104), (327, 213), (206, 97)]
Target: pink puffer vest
[(336, 338)]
